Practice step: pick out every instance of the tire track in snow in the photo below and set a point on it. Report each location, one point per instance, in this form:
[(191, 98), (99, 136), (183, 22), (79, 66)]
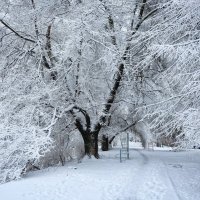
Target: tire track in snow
[(150, 185), (173, 186), (160, 185)]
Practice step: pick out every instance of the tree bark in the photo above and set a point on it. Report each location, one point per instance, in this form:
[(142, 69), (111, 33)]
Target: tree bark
[(87, 143), (104, 143), (90, 138), (91, 144)]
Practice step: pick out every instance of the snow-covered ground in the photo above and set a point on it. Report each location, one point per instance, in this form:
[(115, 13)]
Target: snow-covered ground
[(148, 175)]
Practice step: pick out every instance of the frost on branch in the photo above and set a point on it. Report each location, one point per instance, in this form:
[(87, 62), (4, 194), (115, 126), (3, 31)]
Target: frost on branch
[(18, 147)]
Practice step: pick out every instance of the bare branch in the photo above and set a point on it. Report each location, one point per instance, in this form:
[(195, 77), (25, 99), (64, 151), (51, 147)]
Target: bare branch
[(110, 23), (16, 33)]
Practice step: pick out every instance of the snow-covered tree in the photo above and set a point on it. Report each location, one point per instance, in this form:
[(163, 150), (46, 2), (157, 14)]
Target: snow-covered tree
[(174, 56)]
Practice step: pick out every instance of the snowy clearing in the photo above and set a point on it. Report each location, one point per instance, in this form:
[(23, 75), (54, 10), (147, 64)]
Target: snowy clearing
[(155, 175)]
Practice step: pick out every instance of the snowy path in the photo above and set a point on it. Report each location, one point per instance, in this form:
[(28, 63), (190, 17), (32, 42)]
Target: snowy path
[(148, 175), (154, 181), (169, 175)]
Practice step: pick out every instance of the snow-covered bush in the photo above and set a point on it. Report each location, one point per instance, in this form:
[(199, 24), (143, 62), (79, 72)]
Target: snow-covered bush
[(18, 147)]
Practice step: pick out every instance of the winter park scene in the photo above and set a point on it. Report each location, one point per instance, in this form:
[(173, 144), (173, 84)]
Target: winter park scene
[(99, 99)]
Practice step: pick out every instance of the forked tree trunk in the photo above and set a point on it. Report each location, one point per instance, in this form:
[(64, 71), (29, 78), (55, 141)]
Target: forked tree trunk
[(91, 144), (90, 137)]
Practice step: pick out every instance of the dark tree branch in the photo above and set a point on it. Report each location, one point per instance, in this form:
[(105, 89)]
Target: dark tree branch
[(110, 23), (79, 126), (77, 89), (48, 49), (140, 23), (111, 98), (87, 118), (125, 129), (48, 44), (142, 9), (16, 33), (114, 90), (45, 60), (35, 20)]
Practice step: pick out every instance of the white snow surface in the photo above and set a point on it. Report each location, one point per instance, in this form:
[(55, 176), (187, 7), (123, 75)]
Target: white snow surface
[(148, 175)]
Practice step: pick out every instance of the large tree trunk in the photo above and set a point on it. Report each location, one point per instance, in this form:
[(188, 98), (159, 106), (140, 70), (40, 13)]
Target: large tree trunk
[(90, 138), (91, 144), (95, 144), (87, 143)]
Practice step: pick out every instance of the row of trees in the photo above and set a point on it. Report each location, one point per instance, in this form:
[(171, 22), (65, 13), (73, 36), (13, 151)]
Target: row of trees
[(76, 71)]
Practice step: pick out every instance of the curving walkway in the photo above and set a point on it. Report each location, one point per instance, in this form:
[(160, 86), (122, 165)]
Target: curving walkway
[(148, 175)]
